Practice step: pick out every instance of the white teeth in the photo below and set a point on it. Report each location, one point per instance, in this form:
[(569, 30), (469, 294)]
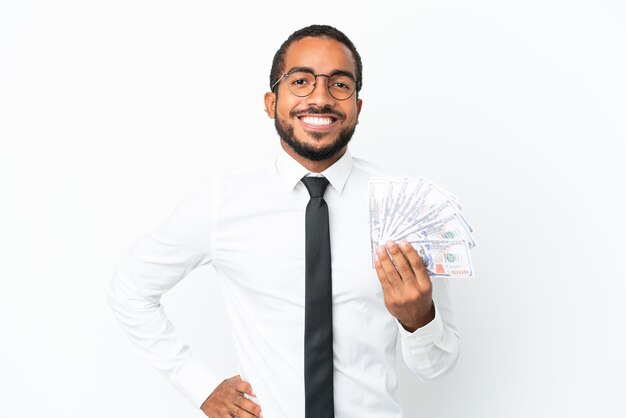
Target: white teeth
[(316, 121)]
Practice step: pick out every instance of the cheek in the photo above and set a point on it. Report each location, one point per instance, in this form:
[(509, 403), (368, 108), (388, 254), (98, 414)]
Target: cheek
[(351, 112), (285, 104)]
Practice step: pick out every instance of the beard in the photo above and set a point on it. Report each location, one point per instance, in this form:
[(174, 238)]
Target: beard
[(286, 134)]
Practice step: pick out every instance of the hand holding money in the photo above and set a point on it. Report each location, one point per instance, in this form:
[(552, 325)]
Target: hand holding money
[(407, 288), (428, 217)]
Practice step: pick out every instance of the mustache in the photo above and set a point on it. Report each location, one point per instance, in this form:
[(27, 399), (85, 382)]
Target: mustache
[(317, 111)]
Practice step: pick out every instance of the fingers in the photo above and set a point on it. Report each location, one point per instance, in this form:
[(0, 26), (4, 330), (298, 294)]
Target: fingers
[(402, 264), (421, 275), (406, 285), (244, 387), (382, 276), (246, 408), (387, 273), (395, 264), (229, 400)]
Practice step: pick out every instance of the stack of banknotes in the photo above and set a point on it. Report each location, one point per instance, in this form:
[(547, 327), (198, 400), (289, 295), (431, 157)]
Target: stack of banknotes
[(428, 217)]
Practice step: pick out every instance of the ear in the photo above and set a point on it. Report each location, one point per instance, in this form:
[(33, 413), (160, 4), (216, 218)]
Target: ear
[(359, 103), (270, 104)]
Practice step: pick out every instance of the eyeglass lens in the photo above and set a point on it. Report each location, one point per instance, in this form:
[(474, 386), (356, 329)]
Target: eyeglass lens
[(301, 84)]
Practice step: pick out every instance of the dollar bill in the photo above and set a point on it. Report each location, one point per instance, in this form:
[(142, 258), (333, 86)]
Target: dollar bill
[(420, 212), (445, 258)]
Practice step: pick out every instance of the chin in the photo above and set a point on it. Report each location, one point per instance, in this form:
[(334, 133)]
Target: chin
[(315, 151)]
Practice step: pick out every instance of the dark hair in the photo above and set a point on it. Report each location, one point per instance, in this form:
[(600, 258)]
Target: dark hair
[(316, 31)]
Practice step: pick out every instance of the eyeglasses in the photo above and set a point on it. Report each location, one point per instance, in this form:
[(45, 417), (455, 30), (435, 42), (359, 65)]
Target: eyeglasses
[(340, 86)]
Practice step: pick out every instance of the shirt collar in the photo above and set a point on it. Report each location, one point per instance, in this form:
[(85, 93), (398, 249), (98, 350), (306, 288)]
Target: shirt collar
[(291, 171)]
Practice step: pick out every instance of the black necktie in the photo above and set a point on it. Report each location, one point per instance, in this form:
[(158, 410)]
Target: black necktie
[(318, 312)]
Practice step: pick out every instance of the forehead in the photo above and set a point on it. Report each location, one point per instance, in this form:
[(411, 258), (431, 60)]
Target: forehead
[(323, 55)]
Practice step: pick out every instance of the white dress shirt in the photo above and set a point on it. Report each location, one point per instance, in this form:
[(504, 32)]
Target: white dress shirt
[(250, 228)]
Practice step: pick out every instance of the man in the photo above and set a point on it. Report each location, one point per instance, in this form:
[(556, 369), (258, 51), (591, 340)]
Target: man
[(251, 228)]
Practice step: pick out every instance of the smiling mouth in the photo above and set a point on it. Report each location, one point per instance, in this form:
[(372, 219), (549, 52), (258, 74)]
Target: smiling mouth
[(317, 122)]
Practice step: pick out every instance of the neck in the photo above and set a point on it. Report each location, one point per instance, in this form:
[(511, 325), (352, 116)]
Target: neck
[(311, 165)]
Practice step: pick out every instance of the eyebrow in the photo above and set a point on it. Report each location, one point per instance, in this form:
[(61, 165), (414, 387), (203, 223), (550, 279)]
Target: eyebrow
[(312, 71)]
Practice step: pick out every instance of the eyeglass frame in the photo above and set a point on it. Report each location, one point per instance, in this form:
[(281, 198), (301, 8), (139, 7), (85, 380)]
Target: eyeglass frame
[(310, 71)]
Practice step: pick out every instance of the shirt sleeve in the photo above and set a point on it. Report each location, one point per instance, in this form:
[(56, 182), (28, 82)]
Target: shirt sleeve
[(432, 350), (159, 260)]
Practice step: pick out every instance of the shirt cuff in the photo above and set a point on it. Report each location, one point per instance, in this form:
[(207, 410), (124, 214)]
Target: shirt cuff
[(195, 381), (426, 335)]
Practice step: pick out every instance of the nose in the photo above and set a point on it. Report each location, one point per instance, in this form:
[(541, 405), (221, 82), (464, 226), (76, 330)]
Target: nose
[(320, 96)]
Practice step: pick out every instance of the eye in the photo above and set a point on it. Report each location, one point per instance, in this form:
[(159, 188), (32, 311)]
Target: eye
[(341, 83), (341, 86), (300, 82)]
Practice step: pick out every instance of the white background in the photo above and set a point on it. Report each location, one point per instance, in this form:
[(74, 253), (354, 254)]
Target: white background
[(111, 112)]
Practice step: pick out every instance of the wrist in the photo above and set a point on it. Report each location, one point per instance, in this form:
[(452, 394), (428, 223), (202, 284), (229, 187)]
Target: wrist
[(420, 320)]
